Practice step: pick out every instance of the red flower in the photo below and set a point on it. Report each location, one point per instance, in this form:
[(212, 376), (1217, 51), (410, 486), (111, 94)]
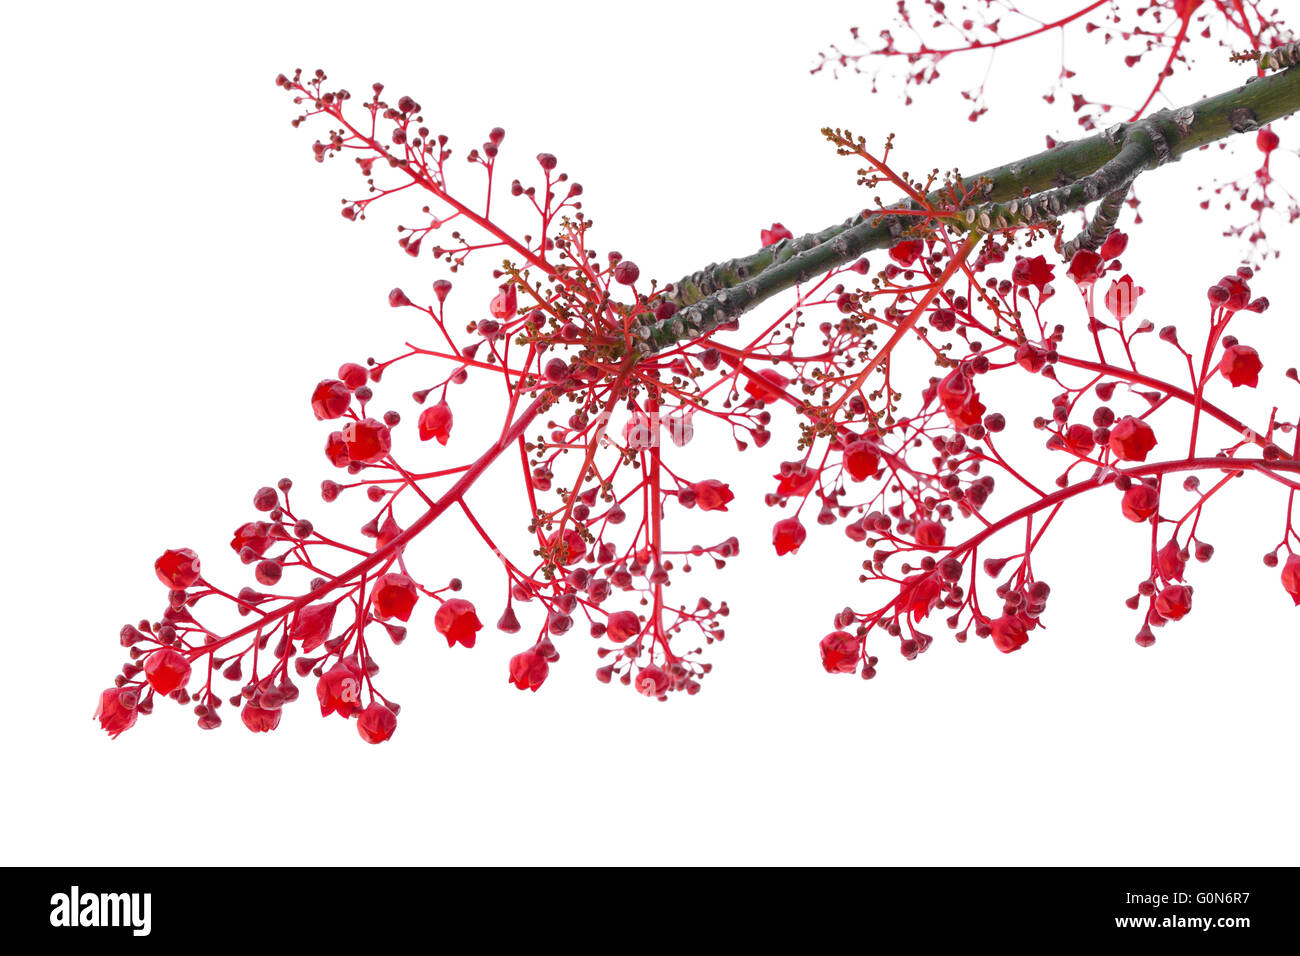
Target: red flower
[(861, 460), (1170, 561), (167, 669), (178, 568), (254, 535), (797, 483), (1291, 578), (770, 392), (712, 495), (960, 400), (1174, 602), (1231, 293), (652, 681), (1240, 365), (787, 535), (1078, 439), (622, 626), (919, 594), (367, 441), (1008, 634), (457, 621), (258, 719), (1030, 357), (905, 253), (376, 723), (313, 625), (929, 534), (528, 670), (572, 550), (1085, 268), (339, 690), (775, 234), (394, 596), (353, 375), (505, 303), (117, 710), (435, 422), (336, 450), (1114, 245), (1132, 439), (1267, 140), (1035, 272), (1122, 297), (841, 652), (1140, 502), (330, 399)]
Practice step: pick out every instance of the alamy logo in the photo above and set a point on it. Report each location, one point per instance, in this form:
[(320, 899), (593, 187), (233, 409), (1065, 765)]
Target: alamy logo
[(102, 909)]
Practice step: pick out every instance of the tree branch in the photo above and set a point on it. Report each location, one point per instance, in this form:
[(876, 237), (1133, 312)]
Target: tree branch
[(1034, 189)]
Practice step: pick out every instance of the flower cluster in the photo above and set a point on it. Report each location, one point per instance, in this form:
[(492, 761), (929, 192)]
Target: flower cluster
[(917, 465)]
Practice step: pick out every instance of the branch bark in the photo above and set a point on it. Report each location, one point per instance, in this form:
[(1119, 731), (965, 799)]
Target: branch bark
[(1037, 188)]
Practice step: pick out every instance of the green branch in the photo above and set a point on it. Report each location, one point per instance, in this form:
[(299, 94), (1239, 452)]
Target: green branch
[(1037, 188)]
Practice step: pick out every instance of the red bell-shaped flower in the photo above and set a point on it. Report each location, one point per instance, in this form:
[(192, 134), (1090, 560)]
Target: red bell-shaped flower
[(435, 422), (394, 595), (339, 690), (528, 670), (457, 621), (787, 535)]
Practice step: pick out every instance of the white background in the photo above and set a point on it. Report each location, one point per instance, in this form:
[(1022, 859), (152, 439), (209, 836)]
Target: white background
[(177, 277)]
